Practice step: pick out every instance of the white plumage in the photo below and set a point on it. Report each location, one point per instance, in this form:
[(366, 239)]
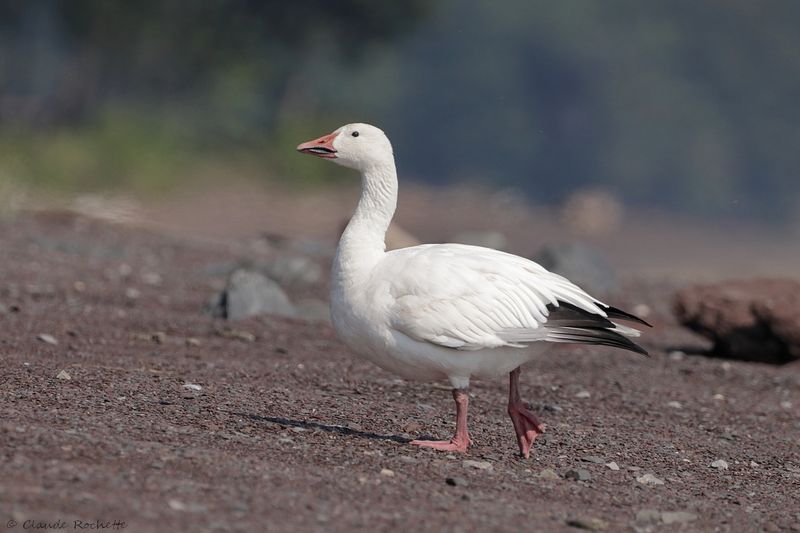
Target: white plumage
[(447, 311)]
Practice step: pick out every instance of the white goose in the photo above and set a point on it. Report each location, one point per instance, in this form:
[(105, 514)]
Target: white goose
[(449, 311)]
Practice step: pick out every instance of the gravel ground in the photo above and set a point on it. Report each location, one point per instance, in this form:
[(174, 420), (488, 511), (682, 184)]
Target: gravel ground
[(282, 429)]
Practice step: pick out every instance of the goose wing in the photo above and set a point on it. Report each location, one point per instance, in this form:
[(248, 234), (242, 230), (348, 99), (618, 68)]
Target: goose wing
[(472, 298)]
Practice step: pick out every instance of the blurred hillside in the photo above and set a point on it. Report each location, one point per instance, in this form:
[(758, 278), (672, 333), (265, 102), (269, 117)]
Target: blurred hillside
[(688, 106)]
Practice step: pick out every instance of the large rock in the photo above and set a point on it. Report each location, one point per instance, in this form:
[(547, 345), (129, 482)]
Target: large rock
[(251, 293), (757, 320), (581, 264), (292, 271)]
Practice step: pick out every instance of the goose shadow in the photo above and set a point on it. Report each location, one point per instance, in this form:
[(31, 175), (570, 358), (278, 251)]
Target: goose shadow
[(341, 430)]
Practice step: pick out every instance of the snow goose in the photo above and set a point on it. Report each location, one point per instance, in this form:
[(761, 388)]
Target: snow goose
[(448, 311)]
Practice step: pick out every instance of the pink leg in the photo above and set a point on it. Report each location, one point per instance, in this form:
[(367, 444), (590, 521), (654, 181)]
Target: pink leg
[(461, 440), (525, 422)]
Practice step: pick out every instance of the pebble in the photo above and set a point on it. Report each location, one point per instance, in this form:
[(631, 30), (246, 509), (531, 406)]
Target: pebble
[(480, 465), (593, 459), (386, 472), (151, 278), (612, 466), (47, 338), (456, 481), (549, 473), (237, 334), (584, 394), (719, 397), (192, 386), (649, 479), (132, 293), (589, 524), (64, 375), (674, 404), (754, 464), (720, 464), (677, 355), (412, 427), (578, 474), (192, 341), (786, 404), (677, 517)]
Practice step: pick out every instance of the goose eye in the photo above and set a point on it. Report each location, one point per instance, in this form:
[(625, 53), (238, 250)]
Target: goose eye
[(354, 134)]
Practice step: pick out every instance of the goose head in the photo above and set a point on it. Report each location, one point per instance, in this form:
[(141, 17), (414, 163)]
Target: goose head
[(358, 146)]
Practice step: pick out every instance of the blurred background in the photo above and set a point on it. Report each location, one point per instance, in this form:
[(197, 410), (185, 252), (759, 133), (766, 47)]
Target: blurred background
[(666, 133)]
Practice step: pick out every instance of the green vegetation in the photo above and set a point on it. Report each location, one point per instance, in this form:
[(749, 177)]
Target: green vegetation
[(687, 105)]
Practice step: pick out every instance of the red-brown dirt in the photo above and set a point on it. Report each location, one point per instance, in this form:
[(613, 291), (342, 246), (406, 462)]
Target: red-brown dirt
[(290, 432)]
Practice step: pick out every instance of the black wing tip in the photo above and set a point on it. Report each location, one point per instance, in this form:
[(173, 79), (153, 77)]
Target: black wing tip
[(638, 349), (601, 337), (615, 312)]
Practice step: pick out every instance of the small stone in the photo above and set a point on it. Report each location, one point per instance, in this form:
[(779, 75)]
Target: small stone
[(589, 524), (677, 355), (549, 474), (754, 464), (649, 479), (720, 464), (456, 481), (151, 278), (176, 505), (64, 375), (675, 405), (786, 404), (578, 474), (412, 427), (584, 394), (192, 386), (593, 459), (480, 465), (192, 341), (677, 517), (228, 333), (47, 338), (387, 473), (718, 397), (612, 466), (158, 337), (132, 293), (645, 516)]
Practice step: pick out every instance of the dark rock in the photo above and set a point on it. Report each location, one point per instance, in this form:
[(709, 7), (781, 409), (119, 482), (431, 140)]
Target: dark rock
[(756, 320), (578, 474), (589, 524), (250, 293), (456, 481), (581, 264)]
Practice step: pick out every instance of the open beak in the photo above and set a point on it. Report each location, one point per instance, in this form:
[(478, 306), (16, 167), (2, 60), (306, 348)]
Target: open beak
[(322, 147)]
